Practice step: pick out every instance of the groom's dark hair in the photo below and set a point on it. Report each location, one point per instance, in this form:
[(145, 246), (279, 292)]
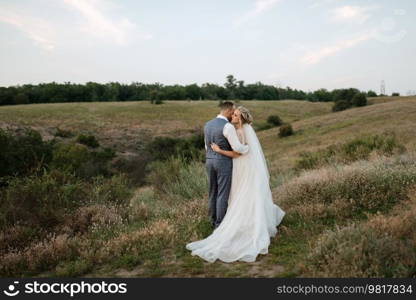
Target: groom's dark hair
[(226, 105)]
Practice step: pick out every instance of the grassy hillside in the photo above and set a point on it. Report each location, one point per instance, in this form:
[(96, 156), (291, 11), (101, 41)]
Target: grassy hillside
[(120, 124), (317, 132), (377, 100), (347, 181)]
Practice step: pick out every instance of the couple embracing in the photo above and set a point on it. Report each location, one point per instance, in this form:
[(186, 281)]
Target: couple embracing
[(241, 207)]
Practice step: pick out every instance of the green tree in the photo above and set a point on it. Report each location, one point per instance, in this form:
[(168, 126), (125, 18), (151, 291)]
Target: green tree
[(359, 100), (341, 105), (322, 95), (21, 98), (231, 86), (173, 92), (193, 91)]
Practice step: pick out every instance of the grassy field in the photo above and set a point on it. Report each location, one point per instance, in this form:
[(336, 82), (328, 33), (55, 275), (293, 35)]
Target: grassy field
[(124, 124), (319, 131), (348, 199), (376, 100)]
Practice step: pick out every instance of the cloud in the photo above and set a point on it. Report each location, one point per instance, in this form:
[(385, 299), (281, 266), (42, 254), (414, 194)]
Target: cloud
[(103, 26), (319, 3), (349, 13), (263, 5), (38, 30), (260, 7), (315, 57), (47, 34)]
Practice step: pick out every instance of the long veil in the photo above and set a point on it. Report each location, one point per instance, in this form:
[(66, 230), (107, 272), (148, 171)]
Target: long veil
[(256, 151), (251, 217)]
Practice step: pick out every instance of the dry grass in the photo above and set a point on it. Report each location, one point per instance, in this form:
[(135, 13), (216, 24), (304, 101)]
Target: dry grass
[(339, 193), (126, 124), (378, 100), (335, 214), (383, 246), (318, 132)]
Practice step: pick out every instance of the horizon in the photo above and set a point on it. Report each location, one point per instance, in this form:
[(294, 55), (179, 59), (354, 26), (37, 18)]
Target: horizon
[(200, 85), (307, 45)]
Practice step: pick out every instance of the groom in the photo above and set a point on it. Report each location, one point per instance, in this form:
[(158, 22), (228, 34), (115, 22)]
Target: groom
[(219, 167)]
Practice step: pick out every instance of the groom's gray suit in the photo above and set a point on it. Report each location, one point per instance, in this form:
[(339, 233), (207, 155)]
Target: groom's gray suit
[(220, 167)]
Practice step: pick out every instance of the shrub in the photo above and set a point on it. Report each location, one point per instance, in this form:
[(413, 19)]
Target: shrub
[(176, 178), (285, 130), (341, 105), (44, 202), (361, 251), (383, 246), (343, 192), (346, 98), (17, 236), (359, 100), (40, 256), (40, 200), (74, 268), (110, 190), (23, 152), (143, 204), (88, 140), (98, 164), (162, 148), (395, 95), (191, 183), (77, 158), (63, 133), (133, 166), (160, 173), (69, 157), (83, 218), (156, 96), (104, 155), (344, 94), (357, 148), (274, 120)]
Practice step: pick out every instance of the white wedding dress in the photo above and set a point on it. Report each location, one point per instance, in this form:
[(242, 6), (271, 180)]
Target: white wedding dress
[(251, 217)]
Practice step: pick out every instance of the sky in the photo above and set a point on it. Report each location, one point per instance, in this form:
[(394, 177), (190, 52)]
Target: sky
[(304, 44)]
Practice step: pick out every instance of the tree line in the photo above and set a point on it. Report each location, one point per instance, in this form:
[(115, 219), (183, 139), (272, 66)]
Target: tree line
[(113, 91)]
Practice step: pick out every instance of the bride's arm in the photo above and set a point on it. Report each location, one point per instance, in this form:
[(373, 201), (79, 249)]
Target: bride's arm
[(231, 154)]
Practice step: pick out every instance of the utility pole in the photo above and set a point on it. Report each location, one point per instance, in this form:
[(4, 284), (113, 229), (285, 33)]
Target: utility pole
[(383, 88)]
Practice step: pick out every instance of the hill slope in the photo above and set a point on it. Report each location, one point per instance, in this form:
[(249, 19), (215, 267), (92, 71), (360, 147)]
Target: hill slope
[(331, 208), (319, 131), (123, 124)]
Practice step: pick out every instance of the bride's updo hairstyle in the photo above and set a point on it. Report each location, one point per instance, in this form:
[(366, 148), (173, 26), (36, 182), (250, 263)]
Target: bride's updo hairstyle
[(246, 116)]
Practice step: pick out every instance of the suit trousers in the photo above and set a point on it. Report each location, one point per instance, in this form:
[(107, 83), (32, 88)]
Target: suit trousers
[(219, 185)]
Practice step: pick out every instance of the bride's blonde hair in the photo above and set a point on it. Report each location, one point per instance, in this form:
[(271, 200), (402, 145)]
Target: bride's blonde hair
[(246, 116)]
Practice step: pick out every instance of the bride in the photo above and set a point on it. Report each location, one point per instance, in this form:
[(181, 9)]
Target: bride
[(251, 217)]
